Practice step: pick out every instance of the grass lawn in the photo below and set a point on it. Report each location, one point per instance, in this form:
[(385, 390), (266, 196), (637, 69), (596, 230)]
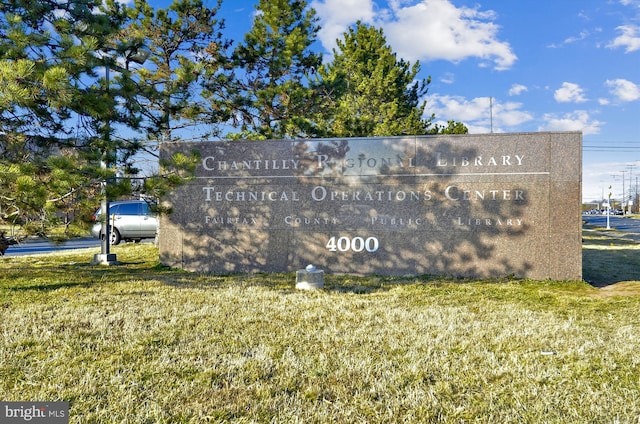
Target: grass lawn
[(139, 343)]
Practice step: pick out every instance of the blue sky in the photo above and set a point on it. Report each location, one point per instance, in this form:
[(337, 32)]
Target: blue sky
[(513, 66)]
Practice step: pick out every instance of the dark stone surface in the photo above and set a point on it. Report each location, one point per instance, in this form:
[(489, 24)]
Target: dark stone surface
[(474, 206)]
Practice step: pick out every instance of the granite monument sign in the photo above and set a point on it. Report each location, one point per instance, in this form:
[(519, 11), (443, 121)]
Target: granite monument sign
[(463, 205)]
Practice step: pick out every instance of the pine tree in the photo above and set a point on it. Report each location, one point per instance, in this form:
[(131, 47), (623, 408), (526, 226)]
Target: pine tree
[(52, 130), (452, 127), (273, 97), (187, 50), (66, 86), (367, 91)]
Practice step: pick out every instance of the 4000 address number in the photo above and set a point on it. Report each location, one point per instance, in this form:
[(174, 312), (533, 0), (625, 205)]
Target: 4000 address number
[(355, 244)]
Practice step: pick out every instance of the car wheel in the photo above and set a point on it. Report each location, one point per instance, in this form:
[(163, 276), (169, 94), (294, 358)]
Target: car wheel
[(114, 237)]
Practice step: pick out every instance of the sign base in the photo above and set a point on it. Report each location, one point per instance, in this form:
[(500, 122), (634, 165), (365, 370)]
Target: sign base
[(104, 259)]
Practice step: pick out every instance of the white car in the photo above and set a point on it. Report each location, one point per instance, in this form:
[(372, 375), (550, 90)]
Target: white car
[(131, 220)]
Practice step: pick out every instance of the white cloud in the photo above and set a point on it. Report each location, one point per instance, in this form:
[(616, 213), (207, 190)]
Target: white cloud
[(478, 114), (624, 90), (578, 120), (437, 30), (570, 40), (424, 30), (629, 39), (569, 92), (337, 15), (509, 114), (583, 34), (458, 108), (517, 89), (448, 78)]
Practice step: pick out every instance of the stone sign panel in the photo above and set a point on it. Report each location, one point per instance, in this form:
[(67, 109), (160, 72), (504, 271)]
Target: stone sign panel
[(462, 205)]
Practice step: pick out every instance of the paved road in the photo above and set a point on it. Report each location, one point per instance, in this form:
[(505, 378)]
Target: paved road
[(41, 246), (628, 225)]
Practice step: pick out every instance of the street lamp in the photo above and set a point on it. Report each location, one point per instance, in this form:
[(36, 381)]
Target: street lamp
[(105, 257), (609, 210)]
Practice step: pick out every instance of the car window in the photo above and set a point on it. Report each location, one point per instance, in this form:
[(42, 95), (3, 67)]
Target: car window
[(113, 209), (128, 209), (147, 209)]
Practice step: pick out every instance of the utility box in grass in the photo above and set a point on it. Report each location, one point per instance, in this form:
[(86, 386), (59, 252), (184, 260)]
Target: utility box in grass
[(477, 206), (309, 278)]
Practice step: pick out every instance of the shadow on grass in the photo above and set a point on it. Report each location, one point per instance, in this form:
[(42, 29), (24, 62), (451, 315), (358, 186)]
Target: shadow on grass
[(609, 258), (602, 268), (49, 274)]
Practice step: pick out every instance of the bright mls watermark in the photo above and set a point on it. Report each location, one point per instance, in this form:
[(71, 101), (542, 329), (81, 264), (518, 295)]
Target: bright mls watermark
[(34, 412)]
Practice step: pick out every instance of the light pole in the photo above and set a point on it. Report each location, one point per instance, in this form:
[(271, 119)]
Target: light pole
[(624, 199), (630, 199), (105, 257), (609, 210)]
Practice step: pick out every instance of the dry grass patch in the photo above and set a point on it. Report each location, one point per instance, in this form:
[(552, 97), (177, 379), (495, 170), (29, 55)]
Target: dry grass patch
[(142, 343), (620, 289)]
